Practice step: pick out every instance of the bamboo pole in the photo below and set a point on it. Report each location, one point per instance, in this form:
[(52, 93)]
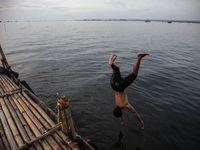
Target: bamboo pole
[(39, 109), (3, 59), (34, 129), (2, 87), (37, 115), (52, 130), (3, 83), (46, 118), (42, 130), (3, 136), (9, 135), (6, 65), (48, 110), (10, 93), (18, 123), (84, 143), (68, 141), (1, 143), (25, 125), (11, 123), (10, 82), (65, 117)]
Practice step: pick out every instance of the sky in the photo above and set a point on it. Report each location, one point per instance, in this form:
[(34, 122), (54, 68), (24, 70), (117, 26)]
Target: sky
[(37, 10)]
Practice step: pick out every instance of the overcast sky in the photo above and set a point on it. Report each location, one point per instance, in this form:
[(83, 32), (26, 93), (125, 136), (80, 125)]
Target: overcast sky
[(35, 10)]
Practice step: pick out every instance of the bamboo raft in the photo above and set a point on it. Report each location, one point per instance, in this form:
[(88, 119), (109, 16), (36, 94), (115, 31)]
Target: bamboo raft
[(27, 123)]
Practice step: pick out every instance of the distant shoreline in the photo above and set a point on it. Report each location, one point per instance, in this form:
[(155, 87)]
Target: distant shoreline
[(143, 20), (138, 20)]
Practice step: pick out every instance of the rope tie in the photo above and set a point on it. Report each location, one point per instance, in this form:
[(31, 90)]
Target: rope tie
[(63, 115)]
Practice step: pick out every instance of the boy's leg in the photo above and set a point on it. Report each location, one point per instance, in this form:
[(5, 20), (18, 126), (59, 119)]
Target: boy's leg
[(111, 61), (137, 64)]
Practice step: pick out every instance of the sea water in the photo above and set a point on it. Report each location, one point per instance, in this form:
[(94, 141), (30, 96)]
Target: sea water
[(71, 57)]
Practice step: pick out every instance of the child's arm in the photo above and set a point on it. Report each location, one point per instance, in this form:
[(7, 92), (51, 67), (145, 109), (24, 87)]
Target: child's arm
[(136, 114)]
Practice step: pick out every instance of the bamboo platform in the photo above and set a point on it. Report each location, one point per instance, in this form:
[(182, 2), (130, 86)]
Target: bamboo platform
[(25, 121)]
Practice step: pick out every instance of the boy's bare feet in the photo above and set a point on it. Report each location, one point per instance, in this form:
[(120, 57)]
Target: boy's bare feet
[(112, 59), (140, 55)]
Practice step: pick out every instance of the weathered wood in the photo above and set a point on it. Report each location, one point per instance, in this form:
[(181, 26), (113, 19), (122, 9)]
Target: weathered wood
[(10, 93), (46, 118), (25, 125), (4, 60), (3, 136), (41, 128), (9, 135), (39, 109), (6, 65), (64, 114), (52, 130), (10, 82), (33, 127), (4, 84), (48, 110), (68, 141), (11, 123), (17, 121), (84, 143)]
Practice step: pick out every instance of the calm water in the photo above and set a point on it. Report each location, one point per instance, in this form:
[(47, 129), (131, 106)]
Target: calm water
[(71, 58)]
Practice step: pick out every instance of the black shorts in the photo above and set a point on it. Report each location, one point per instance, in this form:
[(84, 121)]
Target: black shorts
[(118, 83)]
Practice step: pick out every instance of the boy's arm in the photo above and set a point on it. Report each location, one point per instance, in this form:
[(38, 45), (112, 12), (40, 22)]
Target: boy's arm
[(136, 114)]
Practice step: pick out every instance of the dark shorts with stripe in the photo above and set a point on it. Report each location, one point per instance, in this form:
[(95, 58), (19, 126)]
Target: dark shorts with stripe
[(118, 83)]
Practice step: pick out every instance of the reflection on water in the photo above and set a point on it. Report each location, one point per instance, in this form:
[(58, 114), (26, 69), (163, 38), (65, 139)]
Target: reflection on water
[(119, 144)]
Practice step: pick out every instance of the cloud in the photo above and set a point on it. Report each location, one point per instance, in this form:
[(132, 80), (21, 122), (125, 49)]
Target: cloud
[(81, 9)]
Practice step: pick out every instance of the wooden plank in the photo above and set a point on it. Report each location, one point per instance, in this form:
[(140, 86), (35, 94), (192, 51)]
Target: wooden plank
[(52, 130), (3, 137), (11, 123), (39, 125), (7, 130), (48, 110), (33, 127), (40, 112), (25, 125)]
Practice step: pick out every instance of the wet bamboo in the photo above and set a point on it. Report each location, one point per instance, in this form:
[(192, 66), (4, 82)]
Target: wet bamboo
[(1, 144), (10, 82), (9, 135), (2, 87), (70, 123), (39, 109), (63, 119), (37, 115), (18, 122), (11, 123), (42, 130), (6, 65), (3, 59), (10, 93), (52, 130), (45, 118), (48, 110), (3, 136), (25, 125), (34, 129), (83, 142), (68, 141), (10, 87), (13, 83), (3, 83)]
